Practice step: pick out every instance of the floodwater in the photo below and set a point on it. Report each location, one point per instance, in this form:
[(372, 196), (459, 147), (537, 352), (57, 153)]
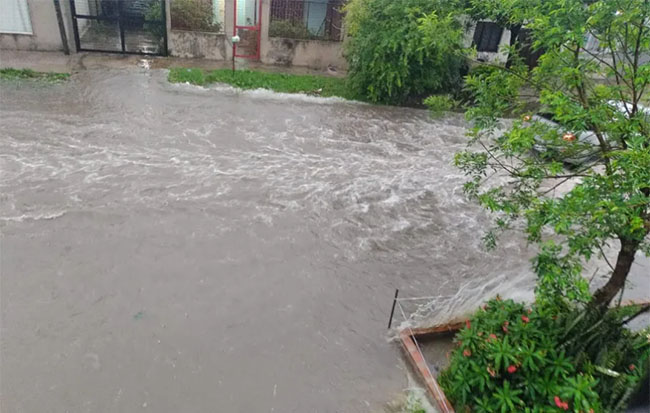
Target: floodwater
[(170, 248)]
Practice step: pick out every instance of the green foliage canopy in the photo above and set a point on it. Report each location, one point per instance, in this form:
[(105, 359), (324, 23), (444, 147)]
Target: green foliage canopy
[(545, 358), (604, 200), (391, 58)]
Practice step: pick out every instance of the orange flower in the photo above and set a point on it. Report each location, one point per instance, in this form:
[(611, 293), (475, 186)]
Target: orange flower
[(559, 403), (525, 319), (467, 352), (568, 137), (512, 369)]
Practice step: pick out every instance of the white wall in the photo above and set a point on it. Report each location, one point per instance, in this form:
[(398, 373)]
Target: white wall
[(45, 29), (490, 57)]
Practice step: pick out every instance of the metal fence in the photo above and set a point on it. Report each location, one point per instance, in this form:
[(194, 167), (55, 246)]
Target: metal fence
[(120, 26), (308, 19)]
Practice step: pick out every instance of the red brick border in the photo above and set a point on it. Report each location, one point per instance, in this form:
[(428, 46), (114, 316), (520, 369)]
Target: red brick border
[(407, 337)]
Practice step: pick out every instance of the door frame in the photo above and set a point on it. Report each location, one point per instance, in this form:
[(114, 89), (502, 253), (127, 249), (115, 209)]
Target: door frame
[(257, 28)]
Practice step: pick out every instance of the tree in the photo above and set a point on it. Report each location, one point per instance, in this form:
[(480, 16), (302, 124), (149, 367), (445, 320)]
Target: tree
[(595, 96), (389, 60)]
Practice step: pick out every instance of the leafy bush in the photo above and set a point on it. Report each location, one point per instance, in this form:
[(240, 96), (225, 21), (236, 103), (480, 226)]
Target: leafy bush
[(604, 348), (193, 15), (544, 359), (21, 74), (403, 49), (291, 29), (438, 104), (152, 16)]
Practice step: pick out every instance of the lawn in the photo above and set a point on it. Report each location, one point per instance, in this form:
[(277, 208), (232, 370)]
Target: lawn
[(278, 82), (21, 74)]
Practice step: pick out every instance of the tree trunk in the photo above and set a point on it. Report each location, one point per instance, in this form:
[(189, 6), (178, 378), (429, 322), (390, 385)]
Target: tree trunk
[(514, 37), (624, 261)]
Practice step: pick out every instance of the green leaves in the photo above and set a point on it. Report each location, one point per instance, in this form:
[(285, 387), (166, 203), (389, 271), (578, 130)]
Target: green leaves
[(507, 399), (403, 49), (540, 359), (507, 360), (501, 353), (581, 179)]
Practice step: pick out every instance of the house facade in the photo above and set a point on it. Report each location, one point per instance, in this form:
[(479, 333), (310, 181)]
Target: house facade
[(287, 32), (30, 25)]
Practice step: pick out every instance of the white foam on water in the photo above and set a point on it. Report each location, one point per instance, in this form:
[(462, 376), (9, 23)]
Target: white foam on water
[(267, 94), (33, 217)]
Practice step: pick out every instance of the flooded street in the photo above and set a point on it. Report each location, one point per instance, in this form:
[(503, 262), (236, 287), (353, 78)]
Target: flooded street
[(177, 249)]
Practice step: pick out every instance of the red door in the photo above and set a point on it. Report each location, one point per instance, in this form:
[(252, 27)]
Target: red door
[(248, 21)]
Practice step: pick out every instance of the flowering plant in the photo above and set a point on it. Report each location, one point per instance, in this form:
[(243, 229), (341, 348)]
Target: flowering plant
[(509, 358)]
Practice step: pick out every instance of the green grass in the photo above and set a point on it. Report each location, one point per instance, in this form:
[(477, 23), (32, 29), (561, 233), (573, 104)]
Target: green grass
[(22, 74), (278, 82)]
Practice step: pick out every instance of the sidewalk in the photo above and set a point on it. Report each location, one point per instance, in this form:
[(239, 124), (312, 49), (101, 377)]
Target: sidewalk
[(59, 62)]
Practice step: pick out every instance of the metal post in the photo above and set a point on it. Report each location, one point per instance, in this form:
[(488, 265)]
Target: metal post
[(75, 26), (234, 33), (120, 24), (392, 310), (59, 19), (163, 22)]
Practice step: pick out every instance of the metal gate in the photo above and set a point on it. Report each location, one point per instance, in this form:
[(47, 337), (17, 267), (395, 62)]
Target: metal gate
[(248, 22), (120, 26)]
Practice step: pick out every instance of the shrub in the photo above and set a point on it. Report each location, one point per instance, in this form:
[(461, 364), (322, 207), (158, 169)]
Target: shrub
[(154, 14), (543, 359), (22, 74), (403, 49), (438, 104), (604, 348), (291, 29), (193, 15)]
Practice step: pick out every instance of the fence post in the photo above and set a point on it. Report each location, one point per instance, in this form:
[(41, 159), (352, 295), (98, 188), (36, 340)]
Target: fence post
[(265, 20), (392, 310)]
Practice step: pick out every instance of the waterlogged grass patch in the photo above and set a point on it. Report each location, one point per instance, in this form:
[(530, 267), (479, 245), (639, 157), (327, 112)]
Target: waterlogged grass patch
[(28, 74), (278, 82)]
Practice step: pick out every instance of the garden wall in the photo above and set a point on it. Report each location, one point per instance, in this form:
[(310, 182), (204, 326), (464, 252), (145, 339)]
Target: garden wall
[(315, 54), (204, 45)]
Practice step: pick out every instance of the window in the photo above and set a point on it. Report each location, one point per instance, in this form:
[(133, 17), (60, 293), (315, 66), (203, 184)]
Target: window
[(14, 17), (306, 19), (487, 36)]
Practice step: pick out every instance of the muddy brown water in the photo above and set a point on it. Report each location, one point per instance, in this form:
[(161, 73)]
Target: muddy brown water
[(180, 249)]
